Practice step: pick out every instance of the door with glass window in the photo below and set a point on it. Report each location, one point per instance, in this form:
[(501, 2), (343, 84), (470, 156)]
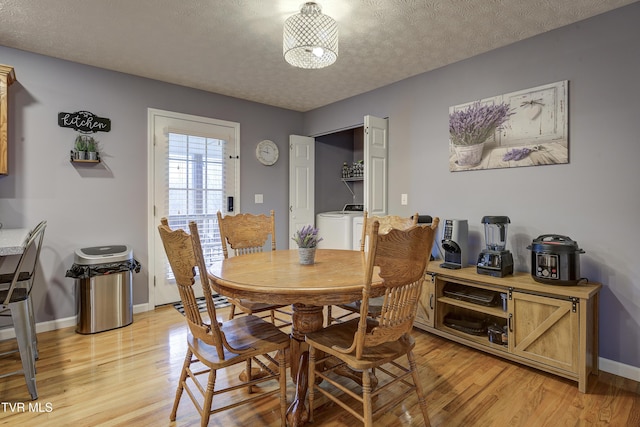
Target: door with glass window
[(196, 170)]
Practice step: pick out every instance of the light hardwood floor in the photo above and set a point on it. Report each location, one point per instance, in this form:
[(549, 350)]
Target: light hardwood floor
[(128, 377)]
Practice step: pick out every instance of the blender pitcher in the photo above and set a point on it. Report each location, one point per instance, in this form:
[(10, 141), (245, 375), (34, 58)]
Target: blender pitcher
[(495, 232)]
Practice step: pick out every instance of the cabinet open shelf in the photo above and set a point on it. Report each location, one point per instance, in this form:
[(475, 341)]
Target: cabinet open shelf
[(483, 341), (491, 311)]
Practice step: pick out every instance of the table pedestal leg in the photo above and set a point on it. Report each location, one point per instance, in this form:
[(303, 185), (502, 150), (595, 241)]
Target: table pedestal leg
[(306, 318), (297, 414)]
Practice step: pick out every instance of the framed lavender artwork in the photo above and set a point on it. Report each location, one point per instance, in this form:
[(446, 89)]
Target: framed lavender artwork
[(524, 128)]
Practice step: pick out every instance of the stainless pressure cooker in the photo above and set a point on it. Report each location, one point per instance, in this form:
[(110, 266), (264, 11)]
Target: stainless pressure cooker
[(555, 260)]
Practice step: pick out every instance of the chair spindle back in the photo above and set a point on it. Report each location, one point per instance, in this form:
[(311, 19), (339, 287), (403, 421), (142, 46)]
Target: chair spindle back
[(401, 258), (246, 233)]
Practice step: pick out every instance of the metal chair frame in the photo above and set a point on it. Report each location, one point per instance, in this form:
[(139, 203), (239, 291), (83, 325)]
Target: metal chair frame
[(15, 298)]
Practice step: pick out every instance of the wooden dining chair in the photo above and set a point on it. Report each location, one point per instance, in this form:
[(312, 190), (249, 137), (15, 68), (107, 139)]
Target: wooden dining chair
[(386, 223), (246, 339), (16, 301), (246, 234), (364, 344)]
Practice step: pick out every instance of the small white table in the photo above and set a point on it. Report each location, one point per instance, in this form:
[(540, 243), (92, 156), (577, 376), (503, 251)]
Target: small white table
[(12, 240)]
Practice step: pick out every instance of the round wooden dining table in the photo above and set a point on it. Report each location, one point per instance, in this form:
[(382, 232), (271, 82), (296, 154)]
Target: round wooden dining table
[(277, 277)]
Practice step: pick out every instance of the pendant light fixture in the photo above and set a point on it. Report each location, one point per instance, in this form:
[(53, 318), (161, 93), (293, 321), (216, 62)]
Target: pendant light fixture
[(310, 38)]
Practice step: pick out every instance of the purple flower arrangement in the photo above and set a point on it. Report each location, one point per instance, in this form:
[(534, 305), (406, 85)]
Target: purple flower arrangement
[(477, 122), (306, 237)]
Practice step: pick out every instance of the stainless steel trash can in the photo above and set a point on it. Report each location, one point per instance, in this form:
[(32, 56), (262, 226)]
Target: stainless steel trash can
[(105, 299)]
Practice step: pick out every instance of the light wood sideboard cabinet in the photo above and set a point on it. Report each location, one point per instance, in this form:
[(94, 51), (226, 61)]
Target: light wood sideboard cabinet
[(7, 76), (551, 328)]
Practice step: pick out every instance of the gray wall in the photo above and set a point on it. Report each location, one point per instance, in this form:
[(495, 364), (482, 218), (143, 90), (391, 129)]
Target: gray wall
[(107, 203), (595, 199)]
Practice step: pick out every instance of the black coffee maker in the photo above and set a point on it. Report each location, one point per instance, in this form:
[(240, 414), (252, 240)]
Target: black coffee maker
[(495, 260)]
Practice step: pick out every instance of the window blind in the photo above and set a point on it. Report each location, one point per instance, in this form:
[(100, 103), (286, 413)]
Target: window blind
[(196, 183)]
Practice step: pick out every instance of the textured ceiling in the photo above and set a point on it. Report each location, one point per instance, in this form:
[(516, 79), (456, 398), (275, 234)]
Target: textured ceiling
[(234, 47)]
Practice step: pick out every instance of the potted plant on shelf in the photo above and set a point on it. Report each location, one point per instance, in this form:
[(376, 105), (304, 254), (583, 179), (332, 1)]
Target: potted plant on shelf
[(92, 148), (81, 148), (307, 240), (471, 127)]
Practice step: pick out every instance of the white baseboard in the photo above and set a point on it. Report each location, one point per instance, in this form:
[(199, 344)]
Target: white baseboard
[(620, 369), (141, 308), (9, 333)]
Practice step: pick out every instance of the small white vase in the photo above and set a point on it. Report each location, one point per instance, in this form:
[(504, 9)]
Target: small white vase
[(307, 255), (469, 155)]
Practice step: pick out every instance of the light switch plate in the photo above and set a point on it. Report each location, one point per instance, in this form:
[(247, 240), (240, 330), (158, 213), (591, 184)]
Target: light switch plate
[(259, 198), (404, 199)]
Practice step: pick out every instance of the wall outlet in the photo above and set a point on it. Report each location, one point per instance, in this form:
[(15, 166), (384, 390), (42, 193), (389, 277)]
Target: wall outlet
[(404, 199), (259, 198)]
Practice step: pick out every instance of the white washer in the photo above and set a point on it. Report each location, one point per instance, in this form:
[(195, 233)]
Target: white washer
[(336, 229)]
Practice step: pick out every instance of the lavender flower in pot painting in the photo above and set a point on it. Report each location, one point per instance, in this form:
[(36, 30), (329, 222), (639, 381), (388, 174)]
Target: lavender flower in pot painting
[(471, 127)]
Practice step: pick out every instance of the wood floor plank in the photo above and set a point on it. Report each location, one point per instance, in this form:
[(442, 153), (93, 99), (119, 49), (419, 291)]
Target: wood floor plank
[(128, 377)]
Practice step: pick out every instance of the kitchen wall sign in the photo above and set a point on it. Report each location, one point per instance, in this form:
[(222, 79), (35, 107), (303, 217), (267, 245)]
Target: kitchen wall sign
[(84, 121), (533, 133)]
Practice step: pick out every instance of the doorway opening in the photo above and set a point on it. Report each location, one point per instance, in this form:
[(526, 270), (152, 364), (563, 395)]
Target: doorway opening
[(333, 151), (194, 173)]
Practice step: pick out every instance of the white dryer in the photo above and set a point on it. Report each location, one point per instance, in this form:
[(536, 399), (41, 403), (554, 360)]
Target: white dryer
[(358, 223), (336, 227)]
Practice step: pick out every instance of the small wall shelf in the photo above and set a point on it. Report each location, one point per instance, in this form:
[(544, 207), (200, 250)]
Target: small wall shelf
[(85, 161), (72, 159)]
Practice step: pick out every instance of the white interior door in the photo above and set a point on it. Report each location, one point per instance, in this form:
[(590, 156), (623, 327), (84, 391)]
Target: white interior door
[(301, 182), (194, 170), (376, 153)]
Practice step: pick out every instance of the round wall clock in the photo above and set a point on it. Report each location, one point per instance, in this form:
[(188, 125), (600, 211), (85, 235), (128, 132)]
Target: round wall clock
[(267, 152)]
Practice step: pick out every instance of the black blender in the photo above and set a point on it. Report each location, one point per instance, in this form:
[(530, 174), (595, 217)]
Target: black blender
[(495, 260)]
